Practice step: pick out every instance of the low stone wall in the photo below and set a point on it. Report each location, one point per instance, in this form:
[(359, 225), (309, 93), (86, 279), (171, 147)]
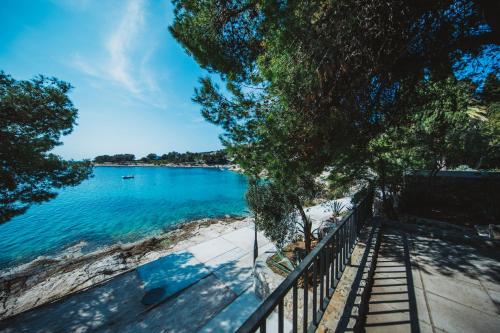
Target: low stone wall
[(468, 197), (346, 305), (439, 229)]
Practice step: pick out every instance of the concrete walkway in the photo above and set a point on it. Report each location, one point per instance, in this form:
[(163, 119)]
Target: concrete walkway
[(185, 291), (206, 287), (431, 285)]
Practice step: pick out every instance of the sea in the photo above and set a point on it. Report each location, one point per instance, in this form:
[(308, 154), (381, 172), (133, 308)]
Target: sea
[(107, 209)]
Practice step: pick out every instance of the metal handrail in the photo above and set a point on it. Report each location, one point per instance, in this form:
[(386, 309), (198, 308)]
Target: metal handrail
[(331, 255)]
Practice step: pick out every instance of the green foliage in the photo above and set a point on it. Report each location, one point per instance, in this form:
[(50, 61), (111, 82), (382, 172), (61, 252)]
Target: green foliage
[(362, 87), (442, 132), (440, 128), (436, 131), (490, 98), (277, 204), (336, 207), (33, 117), (218, 157), (118, 158), (281, 262), (274, 213), (152, 157)]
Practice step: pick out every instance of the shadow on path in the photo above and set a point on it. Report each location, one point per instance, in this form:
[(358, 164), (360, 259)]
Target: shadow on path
[(175, 293), (354, 304), (392, 303)]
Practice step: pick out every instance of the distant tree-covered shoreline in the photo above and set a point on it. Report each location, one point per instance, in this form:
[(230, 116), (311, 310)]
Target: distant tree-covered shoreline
[(218, 157)]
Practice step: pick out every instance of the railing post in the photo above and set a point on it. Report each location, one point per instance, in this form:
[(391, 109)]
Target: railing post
[(315, 289), (321, 276), (337, 258), (346, 241), (342, 248), (294, 308), (306, 300), (280, 316), (354, 228), (332, 259), (327, 268)]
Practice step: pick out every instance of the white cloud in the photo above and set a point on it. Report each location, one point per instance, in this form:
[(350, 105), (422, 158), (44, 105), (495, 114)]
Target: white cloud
[(147, 74), (121, 43), (125, 57), (79, 63)]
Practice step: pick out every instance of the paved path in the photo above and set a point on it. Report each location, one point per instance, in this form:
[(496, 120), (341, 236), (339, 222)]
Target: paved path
[(207, 288), (185, 291), (431, 285)]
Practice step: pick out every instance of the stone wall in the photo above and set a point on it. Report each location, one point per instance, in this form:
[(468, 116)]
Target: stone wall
[(461, 196)]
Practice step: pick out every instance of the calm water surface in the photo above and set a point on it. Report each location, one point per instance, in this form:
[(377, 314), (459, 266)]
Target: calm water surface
[(107, 209)]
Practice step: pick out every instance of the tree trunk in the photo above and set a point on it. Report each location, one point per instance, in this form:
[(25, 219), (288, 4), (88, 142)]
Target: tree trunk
[(255, 245), (479, 163), (307, 227), (387, 204), (382, 180)]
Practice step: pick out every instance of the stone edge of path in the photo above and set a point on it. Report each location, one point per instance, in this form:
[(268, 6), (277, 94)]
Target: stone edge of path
[(364, 292), (345, 310)]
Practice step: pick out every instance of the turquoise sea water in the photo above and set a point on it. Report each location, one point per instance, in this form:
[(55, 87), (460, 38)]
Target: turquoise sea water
[(107, 209)]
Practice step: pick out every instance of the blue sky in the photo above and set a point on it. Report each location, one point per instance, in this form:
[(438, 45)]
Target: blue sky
[(132, 81)]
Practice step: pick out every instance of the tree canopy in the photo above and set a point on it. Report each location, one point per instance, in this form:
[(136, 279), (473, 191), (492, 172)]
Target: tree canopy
[(308, 81), (490, 97), (34, 115), (274, 213), (363, 88), (117, 158)]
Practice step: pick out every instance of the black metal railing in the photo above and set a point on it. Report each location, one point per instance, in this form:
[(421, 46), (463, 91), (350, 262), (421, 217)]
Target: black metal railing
[(319, 272)]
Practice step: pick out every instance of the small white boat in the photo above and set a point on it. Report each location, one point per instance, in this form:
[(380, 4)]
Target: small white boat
[(128, 177)]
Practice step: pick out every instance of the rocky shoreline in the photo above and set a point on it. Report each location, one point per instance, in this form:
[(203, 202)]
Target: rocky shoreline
[(47, 279)]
